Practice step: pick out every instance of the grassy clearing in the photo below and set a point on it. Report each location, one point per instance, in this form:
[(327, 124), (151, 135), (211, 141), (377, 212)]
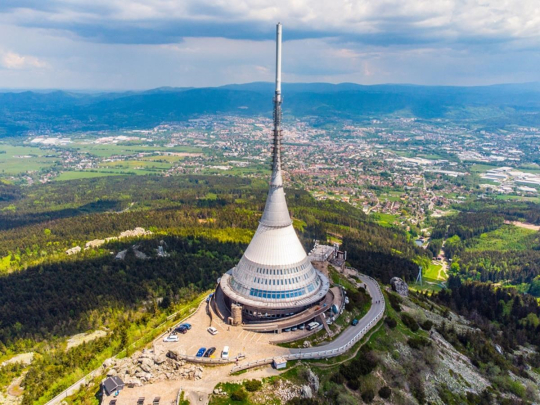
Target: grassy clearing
[(508, 237), (386, 220), (432, 272), (425, 286)]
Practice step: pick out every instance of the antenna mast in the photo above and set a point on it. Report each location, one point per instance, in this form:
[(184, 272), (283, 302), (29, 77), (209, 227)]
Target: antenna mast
[(276, 155)]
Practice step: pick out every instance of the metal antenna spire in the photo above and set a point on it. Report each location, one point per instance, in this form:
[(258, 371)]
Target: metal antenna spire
[(276, 212), (276, 155)]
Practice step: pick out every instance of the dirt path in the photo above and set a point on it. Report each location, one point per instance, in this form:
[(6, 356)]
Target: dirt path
[(25, 358), (81, 338), (524, 225), (14, 388)]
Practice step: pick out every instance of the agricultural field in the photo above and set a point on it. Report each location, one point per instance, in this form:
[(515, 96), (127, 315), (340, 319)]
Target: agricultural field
[(22, 159), (73, 175)]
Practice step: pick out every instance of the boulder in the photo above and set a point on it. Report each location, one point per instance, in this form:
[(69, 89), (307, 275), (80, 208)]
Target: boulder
[(160, 358), (313, 381), (109, 363), (400, 286), (171, 354), (306, 392), (112, 372), (146, 364)]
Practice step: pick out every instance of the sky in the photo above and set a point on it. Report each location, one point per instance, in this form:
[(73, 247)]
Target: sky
[(143, 44)]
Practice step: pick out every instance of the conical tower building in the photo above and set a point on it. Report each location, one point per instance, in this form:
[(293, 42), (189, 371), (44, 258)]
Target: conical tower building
[(275, 277)]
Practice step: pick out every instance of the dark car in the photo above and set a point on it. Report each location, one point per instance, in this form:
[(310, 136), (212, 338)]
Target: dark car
[(210, 352), (187, 325), (354, 322), (182, 329), (201, 351)]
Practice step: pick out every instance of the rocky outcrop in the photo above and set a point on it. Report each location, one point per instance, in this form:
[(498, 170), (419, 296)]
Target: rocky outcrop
[(313, 381), (305, 391), (400, 286), (149, 367), (73, 250), (126, 234)]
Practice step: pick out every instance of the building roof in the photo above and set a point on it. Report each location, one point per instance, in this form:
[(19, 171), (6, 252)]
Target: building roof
[(112, 384)]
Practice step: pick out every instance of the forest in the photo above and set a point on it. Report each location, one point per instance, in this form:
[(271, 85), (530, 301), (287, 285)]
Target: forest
[(203, 223), (488, 306), (485, 247)]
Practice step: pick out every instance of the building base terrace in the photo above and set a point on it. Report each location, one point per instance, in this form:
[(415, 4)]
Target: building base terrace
[(276, 319)]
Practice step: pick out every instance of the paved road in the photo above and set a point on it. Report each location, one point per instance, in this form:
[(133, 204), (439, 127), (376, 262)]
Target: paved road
[(377, 305)]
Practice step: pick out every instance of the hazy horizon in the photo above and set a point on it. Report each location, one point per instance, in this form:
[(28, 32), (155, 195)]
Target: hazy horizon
[(113, 90)]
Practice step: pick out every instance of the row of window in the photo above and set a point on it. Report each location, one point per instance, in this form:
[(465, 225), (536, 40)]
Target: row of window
[(276, 272), (277, 294), (281, 281)]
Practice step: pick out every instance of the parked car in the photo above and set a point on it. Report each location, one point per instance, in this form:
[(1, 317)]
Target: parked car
[(187, 325), (346, 300), (354, 322), (209, 297), (294, 328), (312, 325), (171, 338), (201, 351), (209, 352), (225, 353), (212, 330), (287, 330), (302, 327), (182, 329)]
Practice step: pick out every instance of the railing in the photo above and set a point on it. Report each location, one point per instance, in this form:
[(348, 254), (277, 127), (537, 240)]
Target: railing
[(204, 360), (324, 353)]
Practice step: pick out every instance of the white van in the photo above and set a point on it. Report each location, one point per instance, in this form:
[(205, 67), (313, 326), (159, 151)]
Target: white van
[(312, 325), (225, 353)]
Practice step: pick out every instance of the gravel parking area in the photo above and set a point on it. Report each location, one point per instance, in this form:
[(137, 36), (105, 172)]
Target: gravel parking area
[(253, 345)]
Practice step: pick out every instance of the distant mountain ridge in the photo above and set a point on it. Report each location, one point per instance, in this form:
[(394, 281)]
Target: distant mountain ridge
[(44, 111)]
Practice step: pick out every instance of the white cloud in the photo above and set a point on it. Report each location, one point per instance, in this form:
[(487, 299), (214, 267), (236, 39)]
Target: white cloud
[(120, 44), (430, 19), (12, 60)]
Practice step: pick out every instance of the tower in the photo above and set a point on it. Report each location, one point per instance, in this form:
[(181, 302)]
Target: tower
[(274, 277)]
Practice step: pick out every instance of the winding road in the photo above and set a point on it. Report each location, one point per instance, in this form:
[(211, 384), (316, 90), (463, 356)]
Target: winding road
[(341, 344), (377, 306)]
